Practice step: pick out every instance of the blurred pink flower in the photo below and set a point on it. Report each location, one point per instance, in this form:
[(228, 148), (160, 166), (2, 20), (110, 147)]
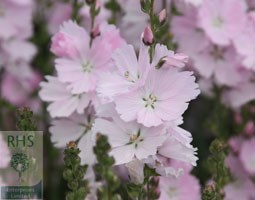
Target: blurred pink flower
[(183, 188), (249, 129), (190, 38), (240, 95), (244, 45), (17, 90), (10, 11), (18, 50), (59, 13), (220, 64), (247, 155), (241, 189), (236, 167), (222, 20)]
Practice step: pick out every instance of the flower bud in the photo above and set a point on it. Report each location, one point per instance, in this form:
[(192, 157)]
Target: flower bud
[(162, 16), (95, 32), (98, 4), (148, 37)]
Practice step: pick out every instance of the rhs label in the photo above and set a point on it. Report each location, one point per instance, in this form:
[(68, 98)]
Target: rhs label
[(23, 177)]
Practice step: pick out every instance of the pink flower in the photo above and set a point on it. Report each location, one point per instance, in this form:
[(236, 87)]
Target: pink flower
[(241, 189), (244, 46), (247, 156), (239, 95), (174, 149), (63, 45), (17, 90), (130, 140), (182, 188), (76, 127), (70, 41), (10, 11), (12, 49), (177, 60), (163, 98), (4, 154), (190, 38), (222, 20), (62, 102), (236, 167), (130, 72), (82, 72), (220, 64), (148, 37), (59, 13), (165, 166)]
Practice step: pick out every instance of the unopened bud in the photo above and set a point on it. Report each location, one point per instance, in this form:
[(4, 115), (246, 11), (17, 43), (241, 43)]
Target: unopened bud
[(162, 16), (148, 37), (98, 4), (95, 32), (71, 145)]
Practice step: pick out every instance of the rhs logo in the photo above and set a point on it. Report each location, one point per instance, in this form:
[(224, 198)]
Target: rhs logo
[(20, 163), (23, 178)]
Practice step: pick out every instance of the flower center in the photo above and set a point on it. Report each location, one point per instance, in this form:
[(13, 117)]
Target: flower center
[(130, 78), (87, 67), (135, 138), (172, 192), (150, 101), (218, 22)]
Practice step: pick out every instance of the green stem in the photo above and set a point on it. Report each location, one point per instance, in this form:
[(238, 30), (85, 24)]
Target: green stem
[(152, 15), (152, 47), (93, 14)]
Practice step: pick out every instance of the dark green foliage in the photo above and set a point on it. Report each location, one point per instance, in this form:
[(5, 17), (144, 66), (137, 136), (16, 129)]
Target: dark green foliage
[(147, 190), (209, 193), (74, 173), (25, 121), (103, 170), (221, 175), (20, 163), (115, 8)]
